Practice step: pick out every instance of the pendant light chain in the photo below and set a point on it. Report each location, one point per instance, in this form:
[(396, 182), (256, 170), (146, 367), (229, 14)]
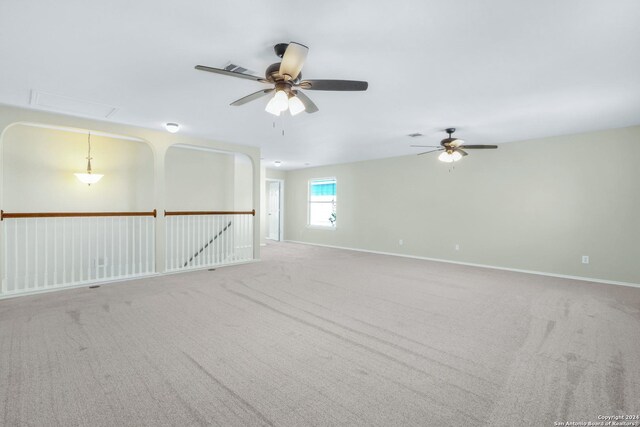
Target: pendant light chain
[(89, 153)]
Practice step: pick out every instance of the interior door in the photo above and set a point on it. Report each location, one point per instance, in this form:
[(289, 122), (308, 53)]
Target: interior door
[(274, 211)]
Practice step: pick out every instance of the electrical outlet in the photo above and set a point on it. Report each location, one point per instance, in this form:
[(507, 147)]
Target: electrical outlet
[(457, 247), (585, 259), (401, 242)]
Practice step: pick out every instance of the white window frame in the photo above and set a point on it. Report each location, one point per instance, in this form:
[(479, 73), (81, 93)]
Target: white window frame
[(335, 201)]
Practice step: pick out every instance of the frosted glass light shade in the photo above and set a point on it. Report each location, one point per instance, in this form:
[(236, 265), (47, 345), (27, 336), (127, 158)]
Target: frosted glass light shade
[(445, 157), (281, 100), (89, 178), (272, 107), (456, 156), (295, 105)]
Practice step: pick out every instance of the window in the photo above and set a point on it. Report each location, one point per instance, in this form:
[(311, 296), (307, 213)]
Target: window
[(322, 202)]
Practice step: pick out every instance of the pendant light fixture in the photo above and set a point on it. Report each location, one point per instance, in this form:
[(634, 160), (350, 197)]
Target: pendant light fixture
[(89, 177)]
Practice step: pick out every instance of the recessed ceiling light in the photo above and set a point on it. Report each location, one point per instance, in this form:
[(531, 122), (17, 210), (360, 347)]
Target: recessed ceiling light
[(277, 163), (172, 127)]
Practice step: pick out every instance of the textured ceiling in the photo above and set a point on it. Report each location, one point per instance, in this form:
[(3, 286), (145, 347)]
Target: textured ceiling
[(498, 70)]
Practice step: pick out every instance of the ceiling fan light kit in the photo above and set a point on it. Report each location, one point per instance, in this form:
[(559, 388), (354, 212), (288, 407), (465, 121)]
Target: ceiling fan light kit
[(452, 148), (447, 157), (286, 78)]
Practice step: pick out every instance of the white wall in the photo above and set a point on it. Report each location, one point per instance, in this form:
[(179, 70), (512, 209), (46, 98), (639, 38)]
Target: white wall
[(159, 142), (198, 180), (534, 205), (242, 183), (39, 166)]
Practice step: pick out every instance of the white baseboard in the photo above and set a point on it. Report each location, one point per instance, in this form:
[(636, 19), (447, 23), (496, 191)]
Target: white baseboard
[(494, 267), (86, 284)]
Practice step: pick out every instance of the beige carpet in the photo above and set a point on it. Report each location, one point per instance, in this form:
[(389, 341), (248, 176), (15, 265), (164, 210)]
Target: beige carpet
[(317, 336)]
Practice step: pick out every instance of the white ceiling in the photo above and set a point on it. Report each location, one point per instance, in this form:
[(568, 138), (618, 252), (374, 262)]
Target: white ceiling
[(498, 70)]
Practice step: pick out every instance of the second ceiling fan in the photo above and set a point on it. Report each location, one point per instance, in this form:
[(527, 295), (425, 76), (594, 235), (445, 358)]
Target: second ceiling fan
[(286, 79), (452, 148)]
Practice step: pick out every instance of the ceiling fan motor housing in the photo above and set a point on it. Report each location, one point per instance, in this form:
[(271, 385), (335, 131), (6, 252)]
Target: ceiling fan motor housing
[(272, 74)]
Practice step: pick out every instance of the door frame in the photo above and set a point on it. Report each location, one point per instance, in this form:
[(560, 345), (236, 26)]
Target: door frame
[(281, 225)]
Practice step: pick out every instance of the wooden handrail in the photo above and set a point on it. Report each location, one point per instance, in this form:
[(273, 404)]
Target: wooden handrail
[(4, 214), (173, 213)]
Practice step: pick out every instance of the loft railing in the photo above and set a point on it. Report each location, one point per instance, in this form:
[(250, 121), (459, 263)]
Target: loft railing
[(201, 239), (6, 215), (49, 250), (211, 241)]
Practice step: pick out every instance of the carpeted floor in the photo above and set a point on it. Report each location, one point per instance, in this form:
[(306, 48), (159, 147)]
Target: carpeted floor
[(318, 336)]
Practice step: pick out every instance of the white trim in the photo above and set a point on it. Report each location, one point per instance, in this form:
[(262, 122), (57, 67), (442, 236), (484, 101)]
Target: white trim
[(518, 270), (207, 267), (81, 131), (335, 202), (281, 209), (318, 227), (124, 279), (80, 285)]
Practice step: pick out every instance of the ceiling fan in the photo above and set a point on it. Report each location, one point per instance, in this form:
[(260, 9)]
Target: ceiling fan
[(452, 148), (286, 78)]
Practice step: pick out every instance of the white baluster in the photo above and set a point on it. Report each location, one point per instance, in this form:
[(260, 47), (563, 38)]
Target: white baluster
[(55, 251), (146, 251), (170, 245), (139, 245), (152, 237), (15, 255), (96, 258), (125, 246), (104, 248), (5, 275), (45, 279), (183, 230), (113, 244), (26, 253), (36, 266)]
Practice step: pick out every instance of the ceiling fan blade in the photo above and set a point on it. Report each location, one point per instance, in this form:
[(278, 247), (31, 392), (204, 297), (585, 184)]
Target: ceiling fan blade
[(466, 147), (338, 85), (431, 151), (252, 97), (293, 60), (309, 106), (464, 153), (456, 142), (426, 146), (230, 73)]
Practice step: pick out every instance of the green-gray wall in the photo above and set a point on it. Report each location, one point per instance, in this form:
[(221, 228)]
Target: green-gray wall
[(534, 205)]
